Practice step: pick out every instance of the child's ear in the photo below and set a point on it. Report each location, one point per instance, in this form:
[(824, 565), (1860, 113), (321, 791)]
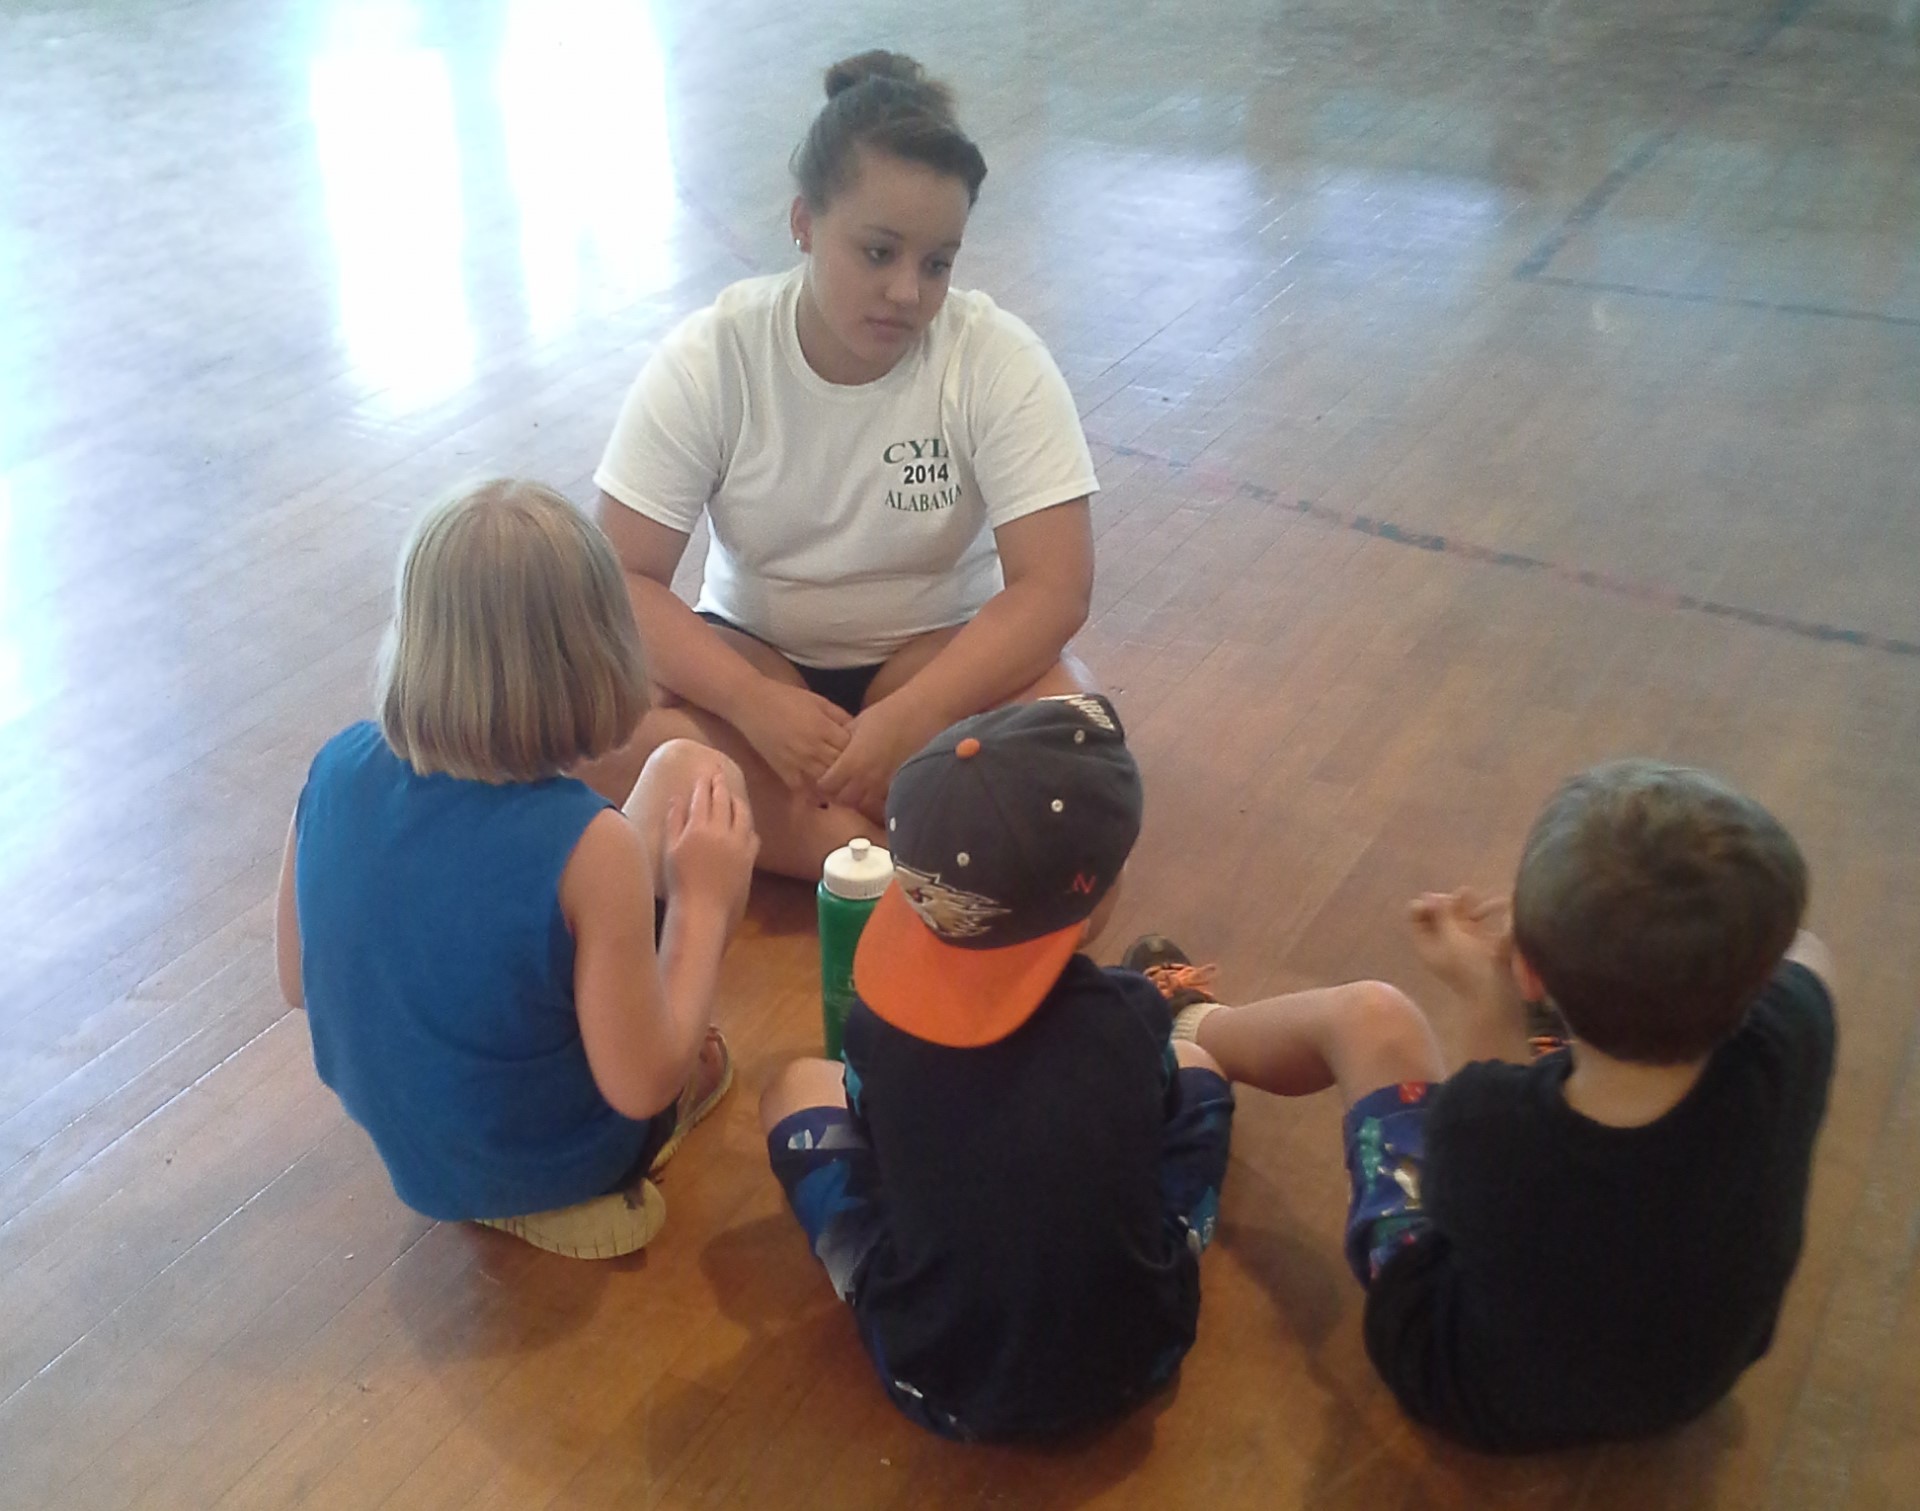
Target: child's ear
[(1091, 929), (1532, 988)]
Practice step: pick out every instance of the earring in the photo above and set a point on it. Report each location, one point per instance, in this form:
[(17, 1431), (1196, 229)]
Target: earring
[(799, 243)]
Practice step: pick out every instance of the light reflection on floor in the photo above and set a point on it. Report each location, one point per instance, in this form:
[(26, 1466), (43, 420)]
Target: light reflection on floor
[(583, 108), (384, 131), (26, 636), (581, 94)]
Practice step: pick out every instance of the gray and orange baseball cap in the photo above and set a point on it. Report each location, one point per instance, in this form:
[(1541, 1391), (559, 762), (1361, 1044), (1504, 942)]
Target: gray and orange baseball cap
[(1007, 830)]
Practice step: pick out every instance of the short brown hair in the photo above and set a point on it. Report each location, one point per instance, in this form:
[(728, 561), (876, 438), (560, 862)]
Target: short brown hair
[(883, 100), (1654, 901), (513, 653)]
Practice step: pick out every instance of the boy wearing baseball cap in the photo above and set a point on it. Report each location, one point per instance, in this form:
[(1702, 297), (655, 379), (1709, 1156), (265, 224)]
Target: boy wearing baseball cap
[(1013, 1175)]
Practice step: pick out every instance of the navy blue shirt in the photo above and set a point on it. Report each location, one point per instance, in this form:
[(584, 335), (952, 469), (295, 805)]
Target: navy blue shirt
[(1029, 1280), (1582, 1282), (438, 973)]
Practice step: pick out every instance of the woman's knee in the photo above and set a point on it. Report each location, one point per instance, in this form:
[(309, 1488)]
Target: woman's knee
[(1066, 677)]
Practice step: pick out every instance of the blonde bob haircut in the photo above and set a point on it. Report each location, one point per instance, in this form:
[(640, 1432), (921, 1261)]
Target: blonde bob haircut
[(512, 654)]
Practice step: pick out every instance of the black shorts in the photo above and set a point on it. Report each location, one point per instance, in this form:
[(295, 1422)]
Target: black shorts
[(843, 685)]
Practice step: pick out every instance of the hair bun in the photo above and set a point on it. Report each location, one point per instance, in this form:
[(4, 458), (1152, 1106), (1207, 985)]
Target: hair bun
[(848, 73), (883, 101)]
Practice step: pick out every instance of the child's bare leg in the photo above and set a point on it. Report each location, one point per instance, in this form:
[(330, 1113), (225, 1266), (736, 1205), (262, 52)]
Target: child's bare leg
[(1365, 1037), (826, 1167), (797, 831), (799, 1086), (1190, 1056), (1359, 1037), (671, 773)]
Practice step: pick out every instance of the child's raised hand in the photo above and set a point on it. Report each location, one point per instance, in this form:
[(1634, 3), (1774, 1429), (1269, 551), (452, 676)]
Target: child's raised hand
[(711, 845), (1465, 938)]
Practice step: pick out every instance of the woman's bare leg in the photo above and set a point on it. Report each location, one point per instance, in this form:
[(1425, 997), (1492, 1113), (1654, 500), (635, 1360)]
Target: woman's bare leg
[(1067, 675)]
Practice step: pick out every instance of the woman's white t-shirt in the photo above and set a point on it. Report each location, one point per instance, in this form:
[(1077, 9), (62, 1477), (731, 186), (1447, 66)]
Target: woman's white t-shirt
[(846, 520)]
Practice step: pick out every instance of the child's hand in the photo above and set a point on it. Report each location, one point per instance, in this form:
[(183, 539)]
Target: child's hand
[(1466, 939), (711, 845)]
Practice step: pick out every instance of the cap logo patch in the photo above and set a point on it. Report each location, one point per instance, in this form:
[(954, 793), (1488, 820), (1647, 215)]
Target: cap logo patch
[(950, 912), (1091, 709), (1084, 883)]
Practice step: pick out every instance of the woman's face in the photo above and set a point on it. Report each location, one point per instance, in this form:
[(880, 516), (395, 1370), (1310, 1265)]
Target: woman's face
[(879, 257)]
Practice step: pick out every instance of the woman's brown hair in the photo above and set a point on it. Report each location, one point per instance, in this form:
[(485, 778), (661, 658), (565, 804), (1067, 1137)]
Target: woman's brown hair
[(883, 101)]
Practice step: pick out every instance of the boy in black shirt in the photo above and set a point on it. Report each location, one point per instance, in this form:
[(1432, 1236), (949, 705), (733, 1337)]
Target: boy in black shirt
[(1012, 1177), (1595, 1245)]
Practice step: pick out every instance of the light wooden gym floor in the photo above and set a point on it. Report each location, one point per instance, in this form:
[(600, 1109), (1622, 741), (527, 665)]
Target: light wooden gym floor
[(1480, 388)]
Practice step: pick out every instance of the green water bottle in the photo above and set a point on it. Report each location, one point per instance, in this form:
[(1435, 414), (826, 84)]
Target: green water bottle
[(850, 884)]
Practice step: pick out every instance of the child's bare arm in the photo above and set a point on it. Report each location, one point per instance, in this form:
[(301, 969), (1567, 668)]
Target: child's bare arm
[(643, 1016), (1466, 939), (286, 930), (637, 1051)]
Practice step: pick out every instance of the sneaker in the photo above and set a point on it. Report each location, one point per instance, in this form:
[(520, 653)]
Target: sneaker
[(1187, 987), (1166, 965), (602, 1228)]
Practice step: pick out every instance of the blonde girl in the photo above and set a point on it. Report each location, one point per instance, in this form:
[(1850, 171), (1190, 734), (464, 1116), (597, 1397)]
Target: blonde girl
[(473, 932)]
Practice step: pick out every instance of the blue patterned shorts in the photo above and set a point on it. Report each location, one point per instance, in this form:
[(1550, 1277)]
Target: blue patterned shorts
[(1385, 1134)]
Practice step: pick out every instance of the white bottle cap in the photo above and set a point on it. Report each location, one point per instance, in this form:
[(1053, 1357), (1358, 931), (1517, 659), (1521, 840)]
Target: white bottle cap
[(857, 870)]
